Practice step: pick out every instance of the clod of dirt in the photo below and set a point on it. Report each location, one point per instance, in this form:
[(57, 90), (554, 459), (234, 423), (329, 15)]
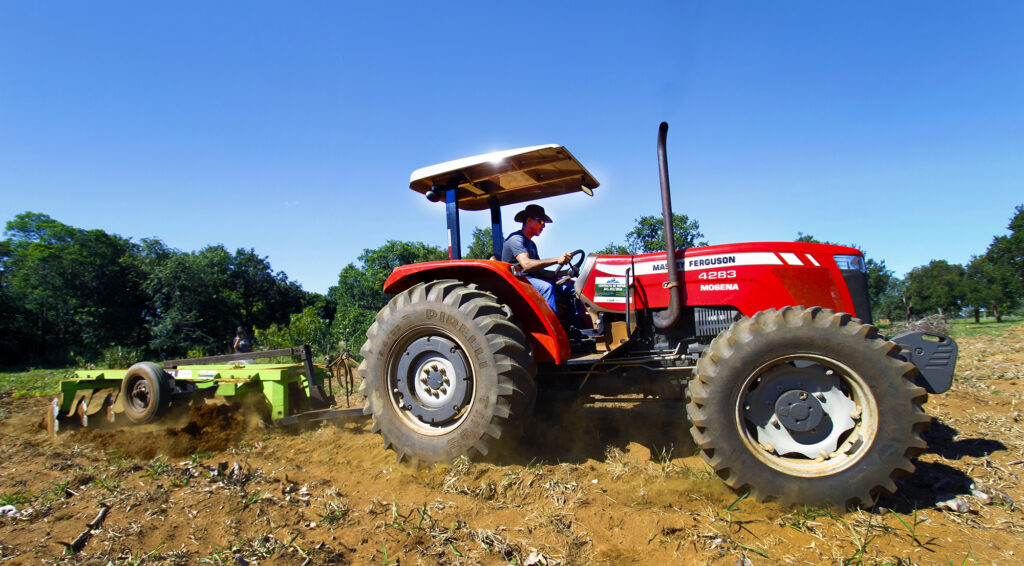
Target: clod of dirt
[(210, 428)]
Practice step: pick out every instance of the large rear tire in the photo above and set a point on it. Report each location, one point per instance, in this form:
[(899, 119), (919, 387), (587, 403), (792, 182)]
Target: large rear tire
[(804, 405), (145, 392), (447, 372)]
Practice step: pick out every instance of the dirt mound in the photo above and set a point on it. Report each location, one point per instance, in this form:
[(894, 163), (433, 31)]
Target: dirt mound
[(210, 428)]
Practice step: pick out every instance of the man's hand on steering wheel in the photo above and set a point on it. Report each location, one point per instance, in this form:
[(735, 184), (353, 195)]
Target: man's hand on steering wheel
[(574, 267)]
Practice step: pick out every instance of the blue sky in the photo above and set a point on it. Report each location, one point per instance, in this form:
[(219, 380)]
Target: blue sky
[(292, 127)]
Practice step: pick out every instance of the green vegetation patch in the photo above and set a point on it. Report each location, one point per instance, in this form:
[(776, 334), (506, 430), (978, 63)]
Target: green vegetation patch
[(966, 328), (33, 381)]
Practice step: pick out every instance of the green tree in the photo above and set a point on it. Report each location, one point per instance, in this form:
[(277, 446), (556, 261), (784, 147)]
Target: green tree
[(886, 291), (198, 298), (649, 234), (359, 293), (1008, 250), (613, 249), (480, 247), (306, 327), (995, 280), (801, 237), (991, 285), (68, 289), (937, 287)]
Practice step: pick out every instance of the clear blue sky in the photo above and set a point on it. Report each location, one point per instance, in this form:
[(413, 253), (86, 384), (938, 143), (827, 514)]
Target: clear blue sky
[(292, 127)]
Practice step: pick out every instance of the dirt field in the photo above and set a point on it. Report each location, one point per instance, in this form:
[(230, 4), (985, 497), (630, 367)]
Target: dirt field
[(609, 484)]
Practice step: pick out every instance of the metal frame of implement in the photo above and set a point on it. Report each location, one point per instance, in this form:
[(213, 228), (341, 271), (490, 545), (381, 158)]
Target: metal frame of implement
[(294, 392)]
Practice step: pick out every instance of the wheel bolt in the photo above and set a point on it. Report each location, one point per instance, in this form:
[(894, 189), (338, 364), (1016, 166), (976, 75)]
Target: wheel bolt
[(446, 381), (444, 389), (423, 380), (819, 396), (436, 394)]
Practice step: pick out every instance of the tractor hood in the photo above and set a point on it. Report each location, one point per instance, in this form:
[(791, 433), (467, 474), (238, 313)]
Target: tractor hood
[(511, 176)]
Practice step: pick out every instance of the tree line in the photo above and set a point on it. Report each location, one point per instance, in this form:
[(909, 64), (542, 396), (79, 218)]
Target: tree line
[(68, 294)]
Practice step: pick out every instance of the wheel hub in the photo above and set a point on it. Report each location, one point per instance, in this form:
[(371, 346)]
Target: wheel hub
[(431, 380), (139, 397), (799, 410)]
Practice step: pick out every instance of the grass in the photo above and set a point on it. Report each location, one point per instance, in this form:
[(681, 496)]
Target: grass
[(966, 328), (33, 381)]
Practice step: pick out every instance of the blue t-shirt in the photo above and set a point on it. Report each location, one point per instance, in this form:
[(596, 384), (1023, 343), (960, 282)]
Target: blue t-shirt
[(515, 244)]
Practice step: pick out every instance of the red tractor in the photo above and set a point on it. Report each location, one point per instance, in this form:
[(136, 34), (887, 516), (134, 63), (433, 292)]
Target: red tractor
[(791, 392)]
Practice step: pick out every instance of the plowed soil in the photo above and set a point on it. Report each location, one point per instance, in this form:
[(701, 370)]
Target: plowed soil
[(612, 483)]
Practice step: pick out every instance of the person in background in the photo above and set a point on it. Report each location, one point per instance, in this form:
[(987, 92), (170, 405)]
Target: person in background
[(242, 343)]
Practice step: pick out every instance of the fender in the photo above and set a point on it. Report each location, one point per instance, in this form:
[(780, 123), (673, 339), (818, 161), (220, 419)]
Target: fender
[(547, 337)]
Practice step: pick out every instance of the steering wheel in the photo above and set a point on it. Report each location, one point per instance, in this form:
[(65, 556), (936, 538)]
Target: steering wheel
[(573, 267)]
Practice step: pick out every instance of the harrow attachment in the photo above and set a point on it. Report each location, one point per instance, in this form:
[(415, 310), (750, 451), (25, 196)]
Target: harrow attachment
[(286, 393)]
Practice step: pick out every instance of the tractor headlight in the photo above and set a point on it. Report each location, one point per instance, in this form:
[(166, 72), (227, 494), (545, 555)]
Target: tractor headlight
[(851, 262)]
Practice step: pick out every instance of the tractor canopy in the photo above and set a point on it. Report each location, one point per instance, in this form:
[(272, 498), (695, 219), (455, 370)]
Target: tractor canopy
[(510, 176), (495, 179)]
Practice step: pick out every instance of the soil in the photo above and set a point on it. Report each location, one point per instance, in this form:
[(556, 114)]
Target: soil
[(612, 483)]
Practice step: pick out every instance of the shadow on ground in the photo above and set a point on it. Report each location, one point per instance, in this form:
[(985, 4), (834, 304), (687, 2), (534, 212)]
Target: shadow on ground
[(575, 433)]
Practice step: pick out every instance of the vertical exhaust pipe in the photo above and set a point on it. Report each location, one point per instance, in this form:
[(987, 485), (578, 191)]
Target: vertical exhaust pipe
[(667, 318)]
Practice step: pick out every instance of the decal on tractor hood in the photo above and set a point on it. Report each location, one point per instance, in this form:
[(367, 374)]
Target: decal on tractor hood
[(609, 290), (692, 263), (749, 258), (720, 287)]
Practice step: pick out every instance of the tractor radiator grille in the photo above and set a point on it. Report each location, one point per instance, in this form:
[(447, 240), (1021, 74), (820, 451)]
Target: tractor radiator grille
[(710, 321)]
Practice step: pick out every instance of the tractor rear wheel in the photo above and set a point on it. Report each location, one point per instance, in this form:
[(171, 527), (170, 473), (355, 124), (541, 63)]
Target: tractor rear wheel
[(804, 405), (145, 392), (447, 372)]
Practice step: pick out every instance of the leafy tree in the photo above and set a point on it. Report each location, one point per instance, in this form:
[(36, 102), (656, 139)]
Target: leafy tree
[(613, 249), (68, 290), (995, 280), (937, 287), (801, 237), (991, 285), (1008, 250), (887, 292), (649, 234), (481, 247), (306, 327), (198, 298), (359, 293)]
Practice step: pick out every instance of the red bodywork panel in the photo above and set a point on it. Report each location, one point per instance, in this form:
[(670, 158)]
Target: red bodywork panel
[(751, 277), (547, 336)]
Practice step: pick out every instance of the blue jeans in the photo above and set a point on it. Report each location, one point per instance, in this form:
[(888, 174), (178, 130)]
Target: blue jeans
[(549, 290)]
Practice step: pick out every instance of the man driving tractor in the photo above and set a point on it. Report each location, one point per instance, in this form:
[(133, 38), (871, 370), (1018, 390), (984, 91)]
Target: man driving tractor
[(520, 248)]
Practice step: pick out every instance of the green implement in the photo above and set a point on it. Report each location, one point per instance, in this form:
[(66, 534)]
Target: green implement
[(287, 393)]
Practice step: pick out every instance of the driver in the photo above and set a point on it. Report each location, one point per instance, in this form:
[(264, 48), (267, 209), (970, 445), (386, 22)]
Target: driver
[(519, 248)]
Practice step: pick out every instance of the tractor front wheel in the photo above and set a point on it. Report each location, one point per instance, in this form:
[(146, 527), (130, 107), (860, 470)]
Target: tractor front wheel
[(446, 372), (804, 405)]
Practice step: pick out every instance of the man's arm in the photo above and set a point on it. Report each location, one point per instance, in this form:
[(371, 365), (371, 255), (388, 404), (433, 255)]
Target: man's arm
[(533, 266)]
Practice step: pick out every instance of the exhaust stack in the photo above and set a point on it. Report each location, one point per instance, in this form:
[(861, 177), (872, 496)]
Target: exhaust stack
[(667, 318)]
